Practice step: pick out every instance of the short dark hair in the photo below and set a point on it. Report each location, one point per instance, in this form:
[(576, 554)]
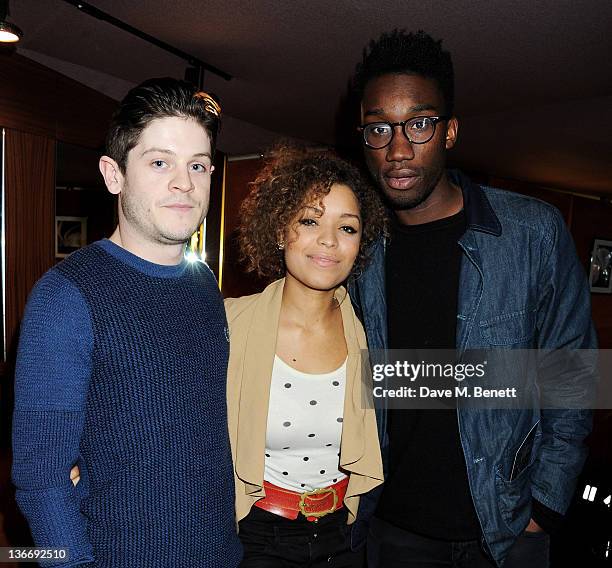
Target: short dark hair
[(159, 98), (398, 52), (290, 179)]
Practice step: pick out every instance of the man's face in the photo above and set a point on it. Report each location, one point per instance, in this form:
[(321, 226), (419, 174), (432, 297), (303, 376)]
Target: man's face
[(406, 173), (165, 192)]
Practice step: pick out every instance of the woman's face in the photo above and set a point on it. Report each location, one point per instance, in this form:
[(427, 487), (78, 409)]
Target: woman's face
[(323, 241)]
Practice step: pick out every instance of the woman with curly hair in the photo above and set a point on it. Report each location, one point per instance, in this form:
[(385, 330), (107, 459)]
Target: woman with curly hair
[(304, 444)]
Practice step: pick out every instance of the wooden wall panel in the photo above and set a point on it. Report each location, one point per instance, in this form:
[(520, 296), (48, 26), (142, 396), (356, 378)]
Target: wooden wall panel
[(30, 220), (38, 100), (235, 281), (23, 104), (561, 201), (593, 219)]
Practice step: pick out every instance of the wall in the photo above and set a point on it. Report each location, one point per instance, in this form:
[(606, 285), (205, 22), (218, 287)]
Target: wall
[(235, 282), (80, 190), (29, 206), (36, 100)]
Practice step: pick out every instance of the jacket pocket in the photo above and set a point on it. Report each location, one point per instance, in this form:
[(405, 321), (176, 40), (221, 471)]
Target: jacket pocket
[(524, 455), (510, 329), (514, 500), (514, 490)]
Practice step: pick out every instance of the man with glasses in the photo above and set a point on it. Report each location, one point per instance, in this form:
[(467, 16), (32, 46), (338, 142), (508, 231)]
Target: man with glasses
[(465, 267)]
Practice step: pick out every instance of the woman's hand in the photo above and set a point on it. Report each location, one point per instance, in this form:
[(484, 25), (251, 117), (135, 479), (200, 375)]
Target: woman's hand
[(75, 475)]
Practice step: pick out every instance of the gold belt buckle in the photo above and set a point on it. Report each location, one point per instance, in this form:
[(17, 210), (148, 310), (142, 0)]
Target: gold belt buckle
[(323, 490)]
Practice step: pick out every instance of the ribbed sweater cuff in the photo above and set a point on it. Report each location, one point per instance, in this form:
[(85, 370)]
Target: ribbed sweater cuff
[(56, 522)]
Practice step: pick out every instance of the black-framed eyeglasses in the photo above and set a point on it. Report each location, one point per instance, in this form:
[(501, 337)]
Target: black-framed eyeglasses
[(417, 130)]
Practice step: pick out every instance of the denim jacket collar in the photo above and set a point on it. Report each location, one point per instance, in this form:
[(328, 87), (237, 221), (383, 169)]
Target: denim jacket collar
[(478, 211), (369, 289)]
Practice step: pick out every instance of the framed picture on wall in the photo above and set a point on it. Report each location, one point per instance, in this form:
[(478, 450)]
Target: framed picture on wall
[(600, 272), (70, 235)]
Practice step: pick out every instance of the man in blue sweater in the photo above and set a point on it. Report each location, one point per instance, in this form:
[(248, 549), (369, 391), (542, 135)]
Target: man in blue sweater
[(122, 363)]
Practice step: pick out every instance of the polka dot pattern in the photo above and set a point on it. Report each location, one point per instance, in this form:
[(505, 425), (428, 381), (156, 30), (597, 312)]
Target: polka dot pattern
[(304, 428)]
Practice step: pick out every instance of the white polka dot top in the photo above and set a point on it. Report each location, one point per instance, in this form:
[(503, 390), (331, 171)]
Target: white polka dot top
[(304, 428)]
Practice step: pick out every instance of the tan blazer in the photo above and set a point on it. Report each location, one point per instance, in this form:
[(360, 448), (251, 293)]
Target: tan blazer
[(253, 323)]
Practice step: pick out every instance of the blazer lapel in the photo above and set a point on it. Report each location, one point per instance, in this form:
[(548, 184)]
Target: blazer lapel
[(259, 350), (352, 445)]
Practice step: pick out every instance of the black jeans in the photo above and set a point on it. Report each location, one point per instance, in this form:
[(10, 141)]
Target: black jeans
[(392, 547), (271, 541)]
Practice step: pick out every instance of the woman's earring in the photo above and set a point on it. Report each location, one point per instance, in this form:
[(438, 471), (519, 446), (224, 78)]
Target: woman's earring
[(280, 246)]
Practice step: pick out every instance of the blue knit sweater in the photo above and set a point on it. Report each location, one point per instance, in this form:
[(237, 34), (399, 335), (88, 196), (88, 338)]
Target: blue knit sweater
[(122, 369)]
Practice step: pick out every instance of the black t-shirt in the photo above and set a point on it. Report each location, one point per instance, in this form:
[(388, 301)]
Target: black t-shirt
[(427, 489)]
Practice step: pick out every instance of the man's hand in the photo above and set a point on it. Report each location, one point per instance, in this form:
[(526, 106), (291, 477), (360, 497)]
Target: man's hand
[(75, 475), (531, 527)]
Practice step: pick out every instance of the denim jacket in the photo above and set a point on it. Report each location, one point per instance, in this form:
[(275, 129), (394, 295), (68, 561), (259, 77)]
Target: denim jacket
[(521, 286)]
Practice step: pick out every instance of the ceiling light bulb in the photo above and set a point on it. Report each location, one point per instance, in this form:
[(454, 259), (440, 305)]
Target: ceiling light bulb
[(9, 33)]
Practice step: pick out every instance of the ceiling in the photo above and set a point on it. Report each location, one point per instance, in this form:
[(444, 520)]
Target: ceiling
[(533, 79)]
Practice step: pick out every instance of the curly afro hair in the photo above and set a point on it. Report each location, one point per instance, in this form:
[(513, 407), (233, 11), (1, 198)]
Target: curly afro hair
[(292, 178), (398, 52)]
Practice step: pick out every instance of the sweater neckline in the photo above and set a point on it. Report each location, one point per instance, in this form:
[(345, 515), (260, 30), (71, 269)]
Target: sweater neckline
[(140, 264)]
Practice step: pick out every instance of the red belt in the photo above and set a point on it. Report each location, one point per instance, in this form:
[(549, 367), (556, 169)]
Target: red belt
[(312, 504)]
